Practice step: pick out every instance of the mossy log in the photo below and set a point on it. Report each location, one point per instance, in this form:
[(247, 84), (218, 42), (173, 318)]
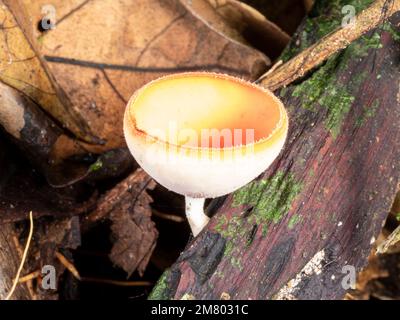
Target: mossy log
[(319, 208)]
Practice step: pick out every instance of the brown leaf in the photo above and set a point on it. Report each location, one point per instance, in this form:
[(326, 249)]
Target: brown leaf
[(378, 279), (255, 28), (57, 155), (134, 234), (287, 14), (206, 11), (121, 49), (390, 241), (64, 233), (39, 137), (22, 68)]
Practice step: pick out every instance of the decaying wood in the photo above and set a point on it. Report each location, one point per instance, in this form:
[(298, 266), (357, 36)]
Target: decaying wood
[(54, 152), (134, 235), (288, 234), (330, 44), (100, 76), (24, 254), (134, 184), (39, 137), (320, 206), (24, 69)]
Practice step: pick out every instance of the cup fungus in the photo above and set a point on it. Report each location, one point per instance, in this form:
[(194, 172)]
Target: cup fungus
[(204, 135)]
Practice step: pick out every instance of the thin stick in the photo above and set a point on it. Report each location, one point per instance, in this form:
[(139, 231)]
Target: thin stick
[(28, 242), (71, 268), (167, 216), (68, 265), (308, 4), (271, 70), (28, 283), (118, 283), (30, 276), (339, 39)]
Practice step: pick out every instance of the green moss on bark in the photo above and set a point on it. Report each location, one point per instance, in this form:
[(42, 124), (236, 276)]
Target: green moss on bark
[(323, 89), (388, 27), (271, 198), (295, 219), (160, 290), (320, 23), (368, 112)]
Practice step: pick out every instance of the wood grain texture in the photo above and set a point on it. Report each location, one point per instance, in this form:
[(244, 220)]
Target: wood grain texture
[(321, 205), (122, 45)]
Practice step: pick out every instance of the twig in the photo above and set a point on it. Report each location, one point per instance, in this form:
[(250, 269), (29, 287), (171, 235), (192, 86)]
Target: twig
[(25, 253), (167, 216), (71, 268), (131, 186), (118, 283), (272, 69), (30, 276), (330, 44), (308, 4), (68, 265), (28, 283), (18, 246), (393, 238)]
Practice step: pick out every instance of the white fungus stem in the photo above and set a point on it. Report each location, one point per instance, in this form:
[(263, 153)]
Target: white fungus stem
[(195, 214)]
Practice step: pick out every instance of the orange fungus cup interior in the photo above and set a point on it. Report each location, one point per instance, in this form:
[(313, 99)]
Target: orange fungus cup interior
[(207, 110)]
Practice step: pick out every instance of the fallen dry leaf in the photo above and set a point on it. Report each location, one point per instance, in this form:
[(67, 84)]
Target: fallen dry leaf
[(206, 10), (22, 68), (134, 235), (287, 14), (377, 278), (100, 60), (254, 28), (390, 241), (57, 155), (38, 136)]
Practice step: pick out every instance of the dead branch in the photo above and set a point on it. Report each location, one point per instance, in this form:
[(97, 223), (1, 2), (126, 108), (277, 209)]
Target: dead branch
[(337, 40)]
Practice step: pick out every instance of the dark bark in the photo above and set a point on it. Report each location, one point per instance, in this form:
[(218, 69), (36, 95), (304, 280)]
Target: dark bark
[(10, 260), (322, 204)]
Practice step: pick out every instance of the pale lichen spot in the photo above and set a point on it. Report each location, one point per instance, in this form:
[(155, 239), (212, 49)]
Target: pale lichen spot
[(398, 94), (313, 267), (188, 296), (225, 296)]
